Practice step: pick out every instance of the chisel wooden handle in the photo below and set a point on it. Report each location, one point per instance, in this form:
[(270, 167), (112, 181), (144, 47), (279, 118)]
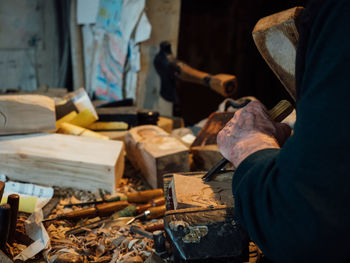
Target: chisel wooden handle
[(156, 212), (155, 202), (2, 187), (144, 196), (5, 214), (13, 201)]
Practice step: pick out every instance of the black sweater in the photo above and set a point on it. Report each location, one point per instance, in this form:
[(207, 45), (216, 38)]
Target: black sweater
[(294, 201)]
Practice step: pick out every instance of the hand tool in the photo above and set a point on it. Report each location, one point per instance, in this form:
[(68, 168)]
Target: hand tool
[(128, 211), (137, 197), (5, 218), (156, 236), (277, 113), (2, 187), (13, 201), (276, 37), (150, 213), (100, 210), (170, 68)]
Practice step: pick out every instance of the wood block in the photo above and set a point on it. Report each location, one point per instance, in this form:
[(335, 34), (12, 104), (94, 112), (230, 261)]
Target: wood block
[(205, 150), (62, 160), (21, 114), (276, 38), (155, 153), (191, 191)]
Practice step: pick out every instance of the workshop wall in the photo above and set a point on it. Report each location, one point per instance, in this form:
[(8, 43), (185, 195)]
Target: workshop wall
[(215, 37), (29, 55)]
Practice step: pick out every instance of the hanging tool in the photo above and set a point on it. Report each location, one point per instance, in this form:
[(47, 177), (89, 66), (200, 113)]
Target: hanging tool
[(100, 210), (277, 113), (170, 68), (13, 201), (137, 197)]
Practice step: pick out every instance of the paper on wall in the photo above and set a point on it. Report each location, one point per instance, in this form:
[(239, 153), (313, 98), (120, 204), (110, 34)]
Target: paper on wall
[(87, 11), (131, 12), (109, 13), (143, 29)]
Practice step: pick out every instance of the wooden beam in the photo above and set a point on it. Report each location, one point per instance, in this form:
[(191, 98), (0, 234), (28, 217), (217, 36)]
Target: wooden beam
[(26, 114), (155, 153), (62, 160)]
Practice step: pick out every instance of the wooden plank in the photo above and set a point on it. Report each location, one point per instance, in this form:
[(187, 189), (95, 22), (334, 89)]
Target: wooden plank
[(191, 191), (205, 150), (155, 153), (164, 17), (62, 160), (26, 114), (276, 38)]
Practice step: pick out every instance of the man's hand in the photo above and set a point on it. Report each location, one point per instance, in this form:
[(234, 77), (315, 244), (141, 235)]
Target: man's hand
[(250, 130)]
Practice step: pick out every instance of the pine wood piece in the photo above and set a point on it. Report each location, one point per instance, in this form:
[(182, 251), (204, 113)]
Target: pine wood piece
[(21, 114), (276, 38), (155, 153), (205, 150), (62, 160), (191, 191)]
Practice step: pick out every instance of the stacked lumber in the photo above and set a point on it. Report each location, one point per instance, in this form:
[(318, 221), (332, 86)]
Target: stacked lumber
[(155, 153), (62, 160)]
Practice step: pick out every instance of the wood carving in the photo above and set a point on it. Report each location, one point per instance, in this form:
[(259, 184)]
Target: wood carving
[(62, 160), (21, 114), (191, 191), (276, 38), (205, 150), (155, 153)]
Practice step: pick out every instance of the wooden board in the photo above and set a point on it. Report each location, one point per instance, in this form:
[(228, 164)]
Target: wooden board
[(26, 114), (155, 153), (276, 38), (191, 191), (62, 160), (164, 17), (205, 150)]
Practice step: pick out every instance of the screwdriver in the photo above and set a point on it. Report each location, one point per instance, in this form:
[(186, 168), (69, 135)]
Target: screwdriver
[(137, 197), (100, 210)]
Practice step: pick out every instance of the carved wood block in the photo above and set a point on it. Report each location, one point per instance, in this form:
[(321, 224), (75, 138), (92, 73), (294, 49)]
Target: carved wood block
[(26, 114), (155, 153), (191, 191), (205, 150)]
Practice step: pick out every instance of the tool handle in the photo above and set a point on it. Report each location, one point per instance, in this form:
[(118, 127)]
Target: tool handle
[(144, 196), (280, 111), (5, 214), (156, 212), (2, 187), (110, 208), (13, 201), (224, 84), (155, 202)]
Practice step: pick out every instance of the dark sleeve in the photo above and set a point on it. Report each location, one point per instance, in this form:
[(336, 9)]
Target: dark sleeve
[(294, 202)]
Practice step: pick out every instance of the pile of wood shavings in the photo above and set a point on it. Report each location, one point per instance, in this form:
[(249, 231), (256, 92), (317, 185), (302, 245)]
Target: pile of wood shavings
[(108, 243)]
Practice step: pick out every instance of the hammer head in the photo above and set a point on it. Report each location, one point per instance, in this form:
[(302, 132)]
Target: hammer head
[(166, 71)]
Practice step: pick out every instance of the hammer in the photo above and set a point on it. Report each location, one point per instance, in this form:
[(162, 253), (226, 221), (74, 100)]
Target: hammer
[(169, 69)]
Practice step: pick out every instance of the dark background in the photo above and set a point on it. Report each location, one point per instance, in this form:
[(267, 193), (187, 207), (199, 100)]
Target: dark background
[(215, 37)]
